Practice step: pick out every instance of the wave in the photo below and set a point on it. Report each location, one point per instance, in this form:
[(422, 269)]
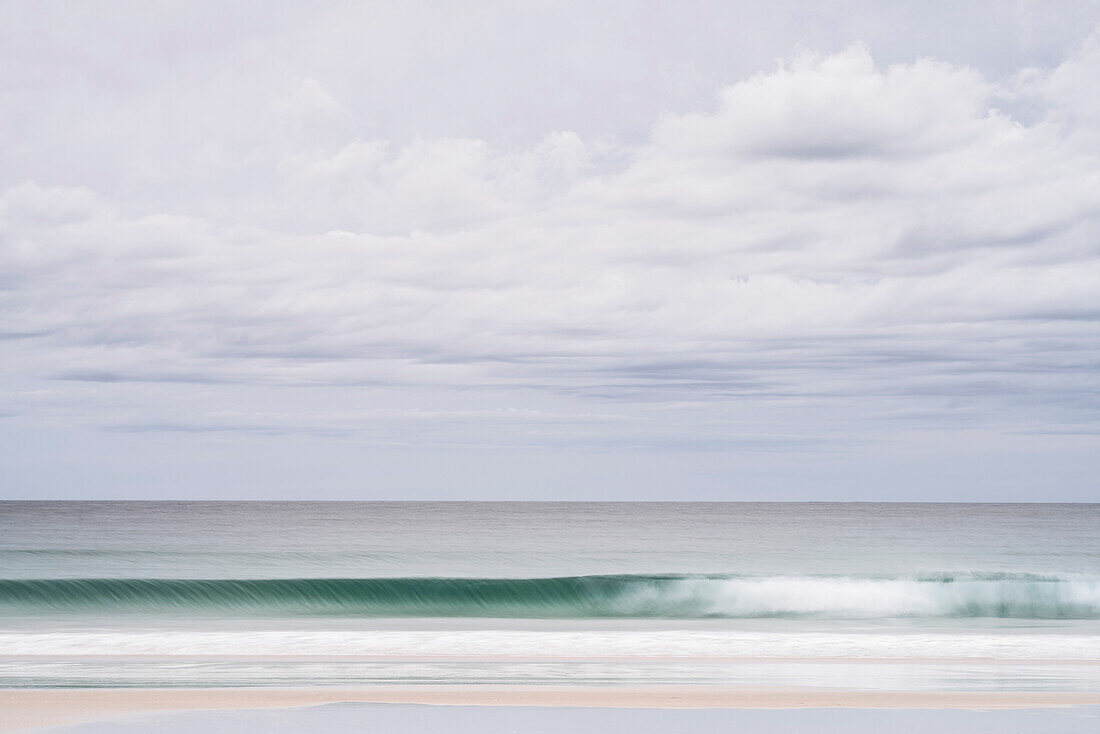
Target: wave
[(625, 596)]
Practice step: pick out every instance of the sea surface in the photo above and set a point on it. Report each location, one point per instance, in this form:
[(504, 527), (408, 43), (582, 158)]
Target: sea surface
[(974, 597)]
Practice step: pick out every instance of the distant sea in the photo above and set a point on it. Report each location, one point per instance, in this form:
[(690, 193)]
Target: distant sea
[(974, 597)]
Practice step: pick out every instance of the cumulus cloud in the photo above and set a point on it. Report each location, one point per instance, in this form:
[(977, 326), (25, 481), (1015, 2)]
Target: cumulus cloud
[(838, 106), (833, 244)]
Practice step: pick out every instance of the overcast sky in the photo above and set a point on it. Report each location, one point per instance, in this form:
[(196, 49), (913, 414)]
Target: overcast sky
[(550, 250)]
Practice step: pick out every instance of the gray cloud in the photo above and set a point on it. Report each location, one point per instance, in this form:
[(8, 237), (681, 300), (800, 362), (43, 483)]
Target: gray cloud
[(837, 257)]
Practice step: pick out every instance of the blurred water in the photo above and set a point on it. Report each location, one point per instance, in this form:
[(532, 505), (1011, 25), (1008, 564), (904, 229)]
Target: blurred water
[(537, 539), (124, 594)]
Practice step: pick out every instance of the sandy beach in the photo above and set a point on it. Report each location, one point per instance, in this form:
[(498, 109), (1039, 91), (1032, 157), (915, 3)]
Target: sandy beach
[(25, 709)]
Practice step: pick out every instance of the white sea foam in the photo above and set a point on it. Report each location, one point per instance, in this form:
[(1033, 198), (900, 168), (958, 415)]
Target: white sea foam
[(849, 597), (555, 643)]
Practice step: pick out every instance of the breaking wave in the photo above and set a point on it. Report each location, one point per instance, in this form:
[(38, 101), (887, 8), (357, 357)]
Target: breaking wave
[(638, 596)]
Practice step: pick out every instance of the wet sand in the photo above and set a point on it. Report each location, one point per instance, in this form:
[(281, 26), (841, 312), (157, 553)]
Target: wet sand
[(24, 709)]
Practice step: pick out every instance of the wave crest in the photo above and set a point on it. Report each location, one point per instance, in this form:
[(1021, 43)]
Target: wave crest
[(1015, 596)]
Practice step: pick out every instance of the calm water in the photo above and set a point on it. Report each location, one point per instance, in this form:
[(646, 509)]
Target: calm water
[(970, 597)]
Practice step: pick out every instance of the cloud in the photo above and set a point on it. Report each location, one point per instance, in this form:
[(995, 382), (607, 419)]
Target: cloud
[(427, 185), (308, 100), (28, 202), (1068, 87), (834, 107), (832, 243)]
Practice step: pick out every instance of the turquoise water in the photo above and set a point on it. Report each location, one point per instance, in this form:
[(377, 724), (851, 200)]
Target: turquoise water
[(272, 593)]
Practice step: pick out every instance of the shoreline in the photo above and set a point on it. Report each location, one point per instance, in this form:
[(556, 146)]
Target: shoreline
[(28, 708), (835, 659)]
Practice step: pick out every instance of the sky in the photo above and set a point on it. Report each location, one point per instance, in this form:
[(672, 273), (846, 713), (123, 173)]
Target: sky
[(550, 250)]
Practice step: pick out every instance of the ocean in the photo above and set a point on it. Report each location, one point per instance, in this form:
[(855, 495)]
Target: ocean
[(866, 596)]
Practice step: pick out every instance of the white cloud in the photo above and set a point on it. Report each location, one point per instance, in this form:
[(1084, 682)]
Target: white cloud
[(1070, 88), (30, 202), (426, 185), (838, 106)]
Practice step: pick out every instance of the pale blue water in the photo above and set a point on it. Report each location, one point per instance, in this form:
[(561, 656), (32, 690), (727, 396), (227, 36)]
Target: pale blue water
[(130, 594)]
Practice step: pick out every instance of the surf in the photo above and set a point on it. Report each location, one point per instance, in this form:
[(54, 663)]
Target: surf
[(611, 596)]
